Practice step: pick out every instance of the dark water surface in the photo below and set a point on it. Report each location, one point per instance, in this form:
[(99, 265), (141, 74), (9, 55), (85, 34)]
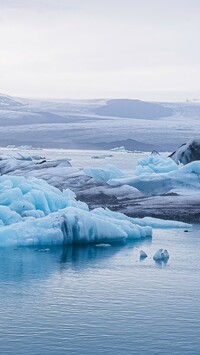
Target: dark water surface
[(102, 300)]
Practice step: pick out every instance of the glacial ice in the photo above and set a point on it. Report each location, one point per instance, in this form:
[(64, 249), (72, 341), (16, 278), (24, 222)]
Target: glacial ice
[(110, 172), (154, 175), (143, 254), (188, 152), (155, 163), (156, 183), (161, 255), (23, 162), (155, 223), (119, 149), (32, 212)]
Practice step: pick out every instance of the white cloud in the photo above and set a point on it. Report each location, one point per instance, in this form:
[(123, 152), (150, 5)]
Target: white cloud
[(91, 48)]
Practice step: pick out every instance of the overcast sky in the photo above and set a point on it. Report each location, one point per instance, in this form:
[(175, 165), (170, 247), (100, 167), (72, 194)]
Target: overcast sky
[(147, 49)]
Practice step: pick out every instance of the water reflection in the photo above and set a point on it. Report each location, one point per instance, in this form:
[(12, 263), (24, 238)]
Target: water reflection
[(161, 263), (83, 255), (27, 264)]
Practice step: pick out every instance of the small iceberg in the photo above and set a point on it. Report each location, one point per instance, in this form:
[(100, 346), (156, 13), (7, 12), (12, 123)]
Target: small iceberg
[(102, 156), (161, 255), (119, 149), (34, 213), (143, 254)]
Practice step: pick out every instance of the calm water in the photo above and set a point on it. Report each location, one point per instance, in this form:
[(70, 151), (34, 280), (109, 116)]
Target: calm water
[(85, 158), (102, 300)]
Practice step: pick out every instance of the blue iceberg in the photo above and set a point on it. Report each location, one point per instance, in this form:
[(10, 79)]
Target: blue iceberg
[(32, 212)]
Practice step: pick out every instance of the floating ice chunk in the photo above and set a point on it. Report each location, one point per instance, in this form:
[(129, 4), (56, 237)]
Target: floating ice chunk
[(109, 172), (161, 223), (158, 255), (102, 156), (120, 193), (161, 255), (34, 213), (119, 149), (156, 164), (143, 254), (27, 163), (156, 183), (165, 254), (188, 152)]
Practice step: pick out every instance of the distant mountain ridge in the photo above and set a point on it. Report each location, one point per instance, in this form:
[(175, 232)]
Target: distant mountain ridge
[(127, 108), (97, 123), (7, 101)]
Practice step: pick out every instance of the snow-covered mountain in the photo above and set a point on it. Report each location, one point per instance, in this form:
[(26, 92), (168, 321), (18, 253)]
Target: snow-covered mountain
[(8, 102), (97, 124)]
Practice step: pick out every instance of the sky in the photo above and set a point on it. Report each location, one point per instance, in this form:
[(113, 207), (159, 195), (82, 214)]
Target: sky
[(145, 49)]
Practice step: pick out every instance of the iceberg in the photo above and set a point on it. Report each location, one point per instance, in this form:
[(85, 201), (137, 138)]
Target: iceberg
[(187, 152), (102, 156), (161, 255), (143, 254), (23, 162), (105, 174), (119, 149), (155, 223), (155, 163), (156, 183), (158, 187), (32, 212)]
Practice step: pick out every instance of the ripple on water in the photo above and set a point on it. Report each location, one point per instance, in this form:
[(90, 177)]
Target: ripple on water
[(102, 300)]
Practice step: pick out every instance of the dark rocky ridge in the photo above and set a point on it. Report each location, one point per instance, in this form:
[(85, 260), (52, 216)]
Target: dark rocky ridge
[(187, 152)]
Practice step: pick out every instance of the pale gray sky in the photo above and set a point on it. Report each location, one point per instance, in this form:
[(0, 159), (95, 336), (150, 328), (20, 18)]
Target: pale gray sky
[(147, 49)]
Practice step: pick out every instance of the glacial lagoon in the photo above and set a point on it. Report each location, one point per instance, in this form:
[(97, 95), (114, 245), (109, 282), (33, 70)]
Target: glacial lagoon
[(102, 299)]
